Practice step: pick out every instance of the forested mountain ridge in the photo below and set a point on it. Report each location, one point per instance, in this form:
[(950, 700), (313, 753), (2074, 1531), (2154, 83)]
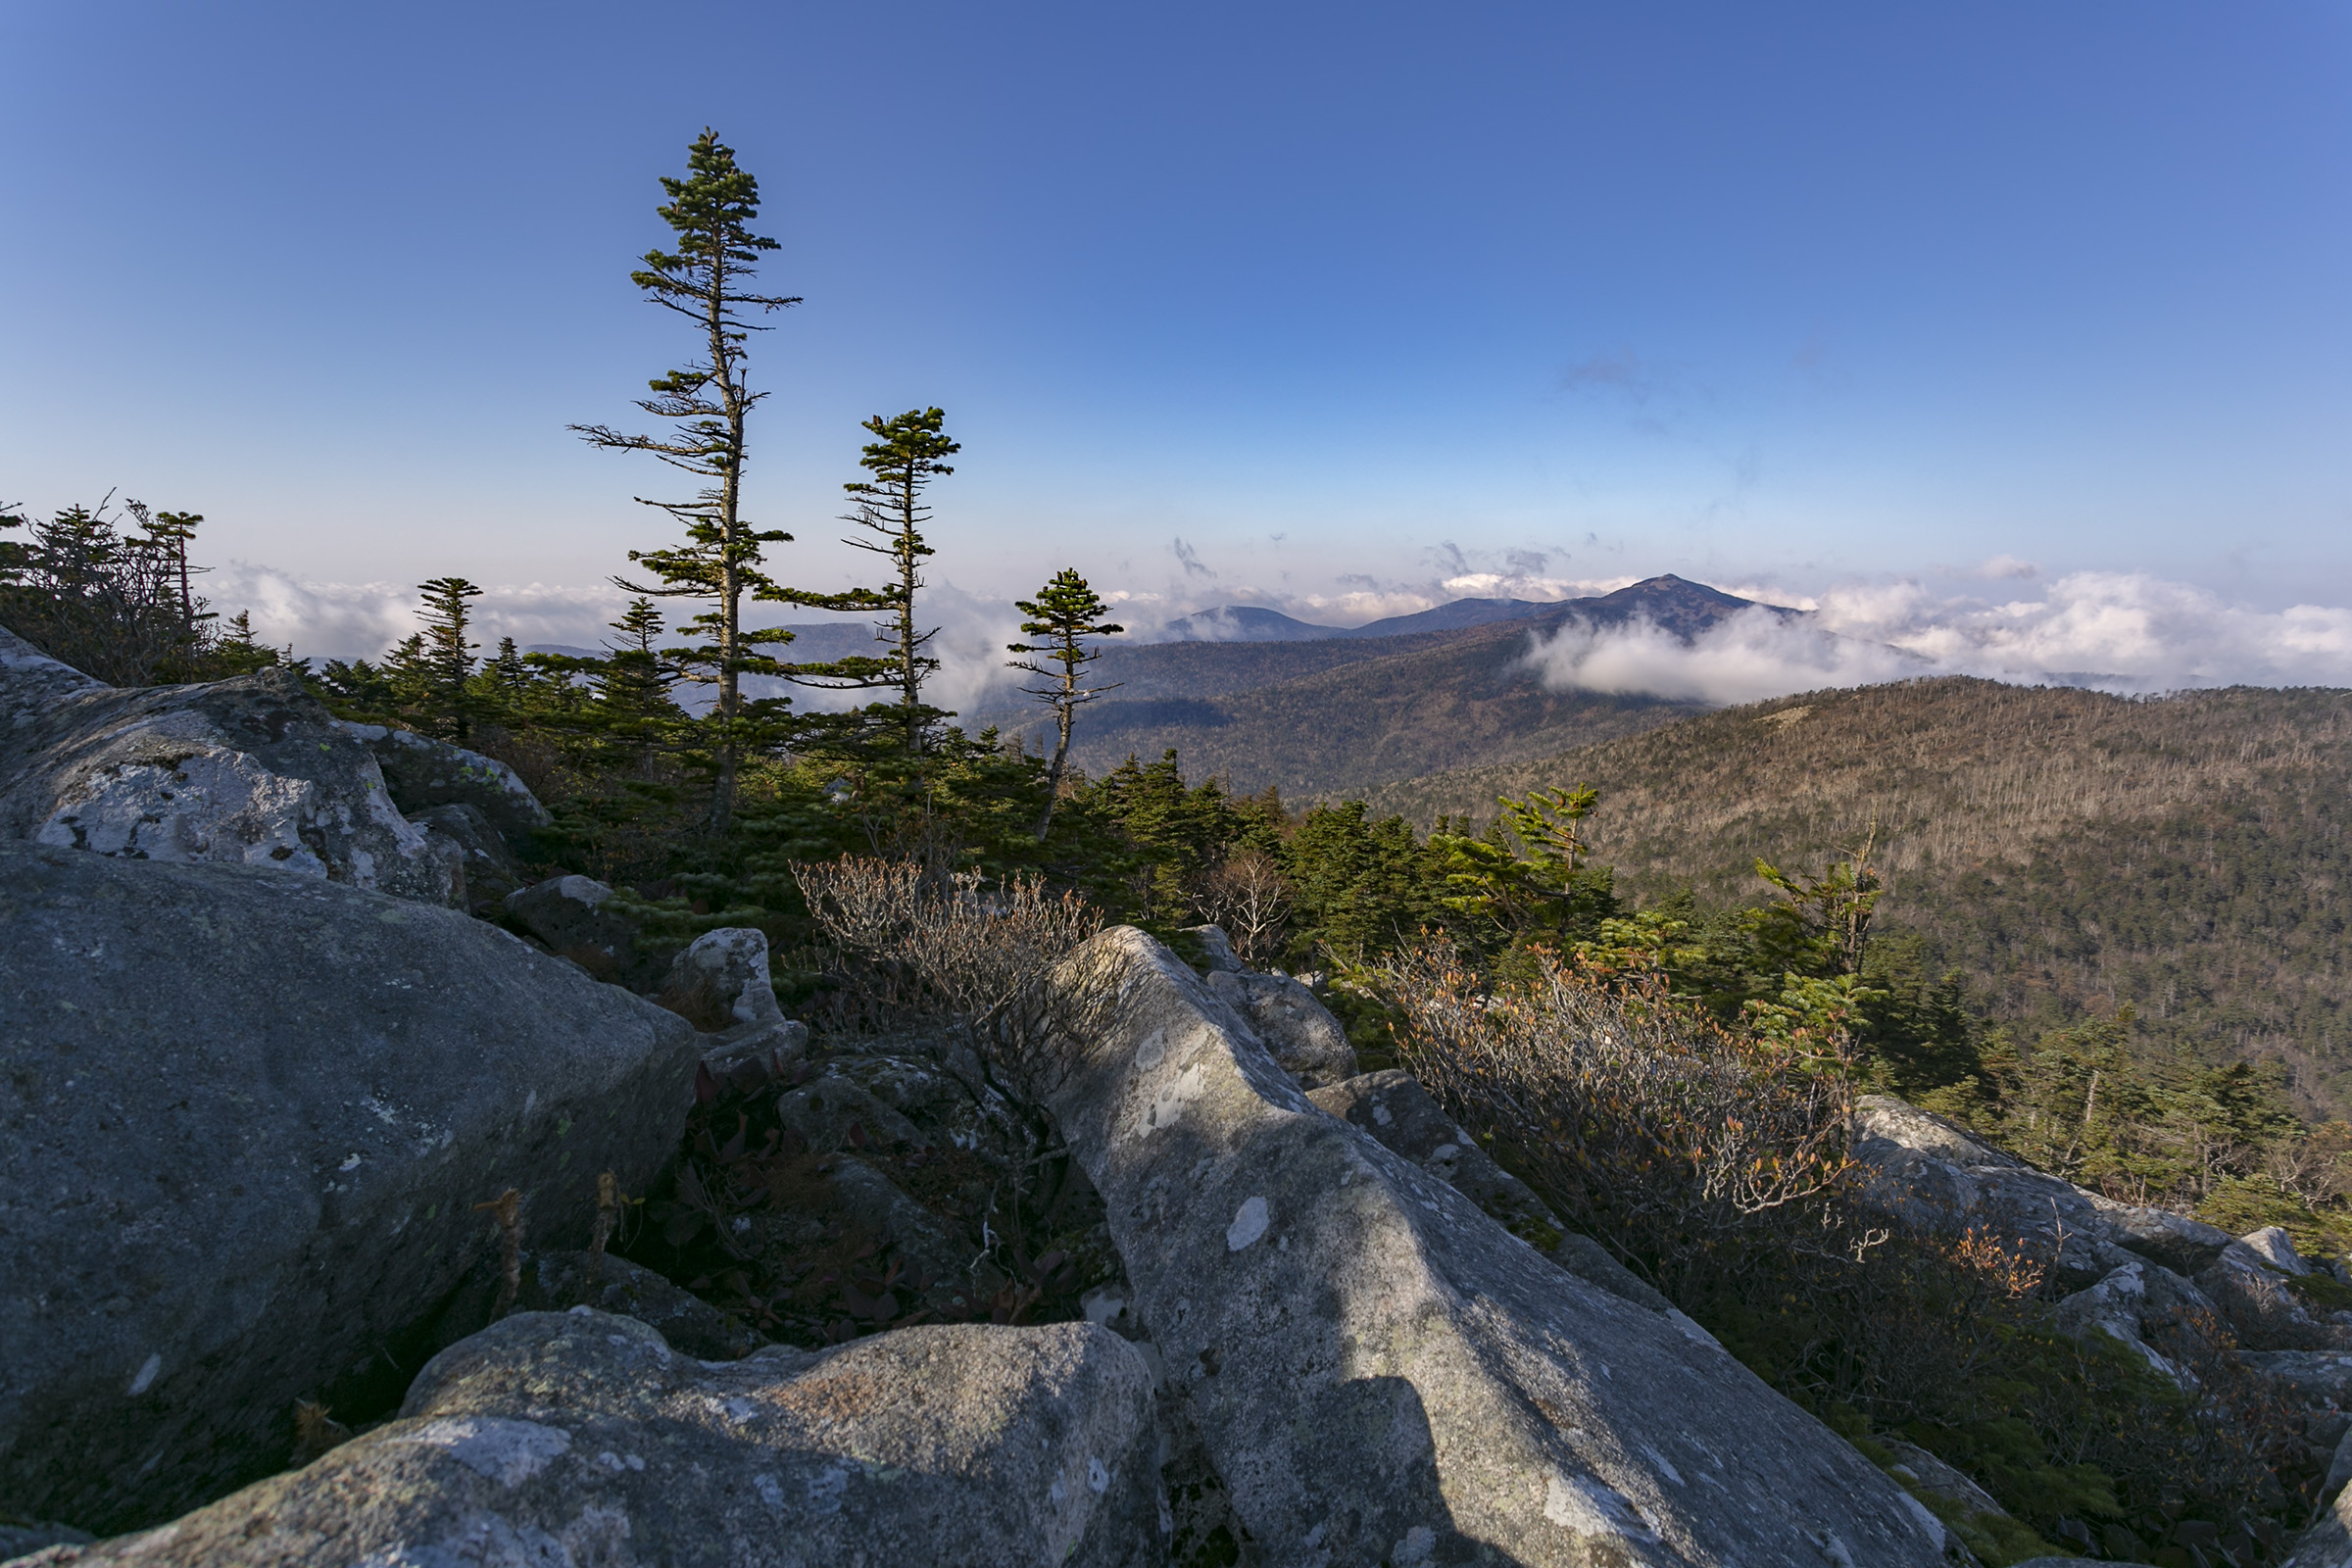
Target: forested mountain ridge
[(2069, 852), (1340, 715), (1248, 623)]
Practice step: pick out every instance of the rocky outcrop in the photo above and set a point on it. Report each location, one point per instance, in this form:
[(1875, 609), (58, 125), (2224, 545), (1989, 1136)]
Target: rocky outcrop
[(2135, 1303), (2262, 1304), (1383, 1374), (834, 1112), (251, 772), (2328, 1542), (1216, 950), (2277, 1250), (422, 773), (569, 915), (556, 1282), (580, 1438), (2318, 1377), (1300, 1031), (245, 1123), (720, 985), (1392, 1108), (1933, 1174), (487, 870), (31, 683), (23, 1541)]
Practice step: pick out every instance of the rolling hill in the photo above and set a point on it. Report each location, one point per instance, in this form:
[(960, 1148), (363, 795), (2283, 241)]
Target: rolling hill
[(2069, 852), (1346, 712)]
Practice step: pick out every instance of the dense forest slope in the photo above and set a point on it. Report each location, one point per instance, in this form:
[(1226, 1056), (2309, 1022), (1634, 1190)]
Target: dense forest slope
[(1341, 713), (2069, 851)]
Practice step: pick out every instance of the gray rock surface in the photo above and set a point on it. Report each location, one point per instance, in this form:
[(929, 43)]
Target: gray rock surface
[(2265, 1311), (2318, 1377), (422, 772), (251, 771), (1394, 1109), (721, 984), (2132, 1305), (556, 1282), (1928, 1476), (487, 867), (31, 683), (2184, 1245), (569, 914), (2276, 1248), (578, 1438), (2340, 1466), (244, 1122), (2328, 1542), (1932, 1173), (1300, 1031), (1216, 948), (1382, 1373), (822, 1113), (914, 1235)]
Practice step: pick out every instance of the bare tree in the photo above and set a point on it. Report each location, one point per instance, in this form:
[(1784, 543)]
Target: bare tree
[(1247, 894)]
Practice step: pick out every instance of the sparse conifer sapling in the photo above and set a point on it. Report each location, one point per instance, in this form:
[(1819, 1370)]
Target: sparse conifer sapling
[(1065, 613), (908, 454)]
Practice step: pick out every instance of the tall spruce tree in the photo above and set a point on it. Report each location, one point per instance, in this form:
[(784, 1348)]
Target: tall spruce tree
[(706, 281), (1064, 614), (171, 532), (904, 461), (442, 659)]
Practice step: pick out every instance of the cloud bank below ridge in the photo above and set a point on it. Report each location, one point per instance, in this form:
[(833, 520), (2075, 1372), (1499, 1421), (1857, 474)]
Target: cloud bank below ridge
[(2127, 632), (2124, 632)]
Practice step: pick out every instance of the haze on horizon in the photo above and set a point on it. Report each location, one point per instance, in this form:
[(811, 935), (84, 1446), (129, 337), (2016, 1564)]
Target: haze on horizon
[(2011, 323)]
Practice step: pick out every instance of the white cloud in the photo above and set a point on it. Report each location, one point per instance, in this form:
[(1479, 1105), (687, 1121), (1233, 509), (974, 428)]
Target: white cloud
[(360, 621), (2125, 631), (1751, 655), (970, 646), (2119, 631), (2116, 631)]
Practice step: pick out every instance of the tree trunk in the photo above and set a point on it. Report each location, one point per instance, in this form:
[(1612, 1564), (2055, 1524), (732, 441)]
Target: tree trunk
[(730, 584), (1062, 753), (910, 678)]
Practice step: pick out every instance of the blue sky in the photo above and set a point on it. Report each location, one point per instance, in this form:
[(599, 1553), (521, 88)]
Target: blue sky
[(1355, 301)]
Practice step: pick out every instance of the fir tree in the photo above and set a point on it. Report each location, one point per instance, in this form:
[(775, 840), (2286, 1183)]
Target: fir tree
[(1062, 615), (890, 505), (633, 681), (441, 660), (169, 533), (238, 652), (705, 281)]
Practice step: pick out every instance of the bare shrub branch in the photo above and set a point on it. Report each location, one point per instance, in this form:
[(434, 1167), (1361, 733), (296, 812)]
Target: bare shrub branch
[(1638, 1119), (940, 946)]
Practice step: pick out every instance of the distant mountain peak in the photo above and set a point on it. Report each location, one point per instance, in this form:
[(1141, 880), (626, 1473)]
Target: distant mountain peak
[(1677, 603), (1245, 623)]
